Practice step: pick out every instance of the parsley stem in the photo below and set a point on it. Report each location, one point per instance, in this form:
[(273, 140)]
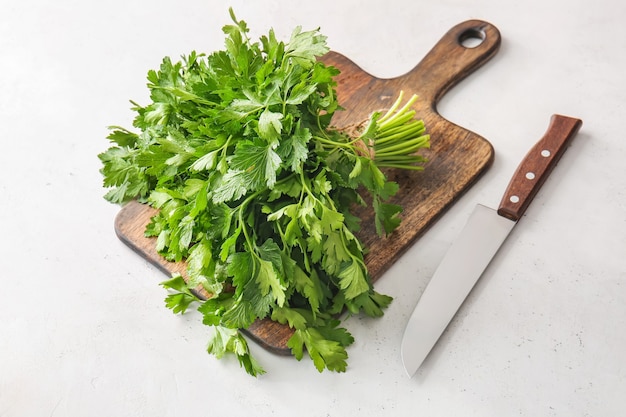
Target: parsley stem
[(333, 143), (400, 166), (403, 147), (224, 147), (241, 209), (400, 158), (318, 120), (335, 146), (401, 133), (393, 108), (396, 120), (400, 113), (400, 129)]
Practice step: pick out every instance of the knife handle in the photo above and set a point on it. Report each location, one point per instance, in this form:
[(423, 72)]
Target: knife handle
[(537, 165)]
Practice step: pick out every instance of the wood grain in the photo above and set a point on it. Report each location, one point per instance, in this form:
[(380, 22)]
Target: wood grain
[(456, 159)]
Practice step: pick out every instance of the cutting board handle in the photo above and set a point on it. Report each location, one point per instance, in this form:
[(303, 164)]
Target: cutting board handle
[(460, 51)]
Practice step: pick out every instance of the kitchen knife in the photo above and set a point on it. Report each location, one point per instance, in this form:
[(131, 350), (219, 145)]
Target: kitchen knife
[(478, 242)]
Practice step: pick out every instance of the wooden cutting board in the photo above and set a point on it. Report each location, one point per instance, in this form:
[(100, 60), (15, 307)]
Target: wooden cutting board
[(456, 159)]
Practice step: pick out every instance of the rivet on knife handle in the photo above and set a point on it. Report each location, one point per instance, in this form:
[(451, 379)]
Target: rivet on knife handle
[(536, 167)]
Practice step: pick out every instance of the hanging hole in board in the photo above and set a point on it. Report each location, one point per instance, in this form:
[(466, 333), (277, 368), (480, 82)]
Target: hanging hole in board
[(471, 38)]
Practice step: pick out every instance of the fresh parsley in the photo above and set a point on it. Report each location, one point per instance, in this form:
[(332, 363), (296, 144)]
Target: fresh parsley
[(254, 189)]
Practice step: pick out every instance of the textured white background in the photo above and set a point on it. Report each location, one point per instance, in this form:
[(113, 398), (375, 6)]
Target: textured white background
[(83, 328)]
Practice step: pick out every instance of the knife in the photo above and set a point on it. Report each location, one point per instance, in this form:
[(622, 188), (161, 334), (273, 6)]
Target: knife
[(478, 242)]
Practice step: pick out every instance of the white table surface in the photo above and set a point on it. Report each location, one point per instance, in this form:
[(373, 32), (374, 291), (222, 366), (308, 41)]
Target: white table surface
[(83, 327)]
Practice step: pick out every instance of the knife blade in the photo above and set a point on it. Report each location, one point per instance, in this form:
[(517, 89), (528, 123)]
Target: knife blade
[(478, 242)]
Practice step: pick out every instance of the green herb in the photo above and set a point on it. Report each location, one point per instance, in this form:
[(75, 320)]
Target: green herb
[(254, 189)]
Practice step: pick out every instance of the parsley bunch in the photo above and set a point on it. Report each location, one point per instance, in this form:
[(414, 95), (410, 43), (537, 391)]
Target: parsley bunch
[(254, 189)]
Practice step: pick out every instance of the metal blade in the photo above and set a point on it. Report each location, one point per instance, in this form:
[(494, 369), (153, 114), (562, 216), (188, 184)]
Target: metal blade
[(461, 267)]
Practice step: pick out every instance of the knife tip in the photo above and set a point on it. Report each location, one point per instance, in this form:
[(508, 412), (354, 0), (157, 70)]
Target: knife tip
[(410, 367)]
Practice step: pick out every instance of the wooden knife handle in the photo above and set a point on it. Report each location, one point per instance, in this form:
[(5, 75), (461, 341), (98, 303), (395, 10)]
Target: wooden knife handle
[(537, 165)]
